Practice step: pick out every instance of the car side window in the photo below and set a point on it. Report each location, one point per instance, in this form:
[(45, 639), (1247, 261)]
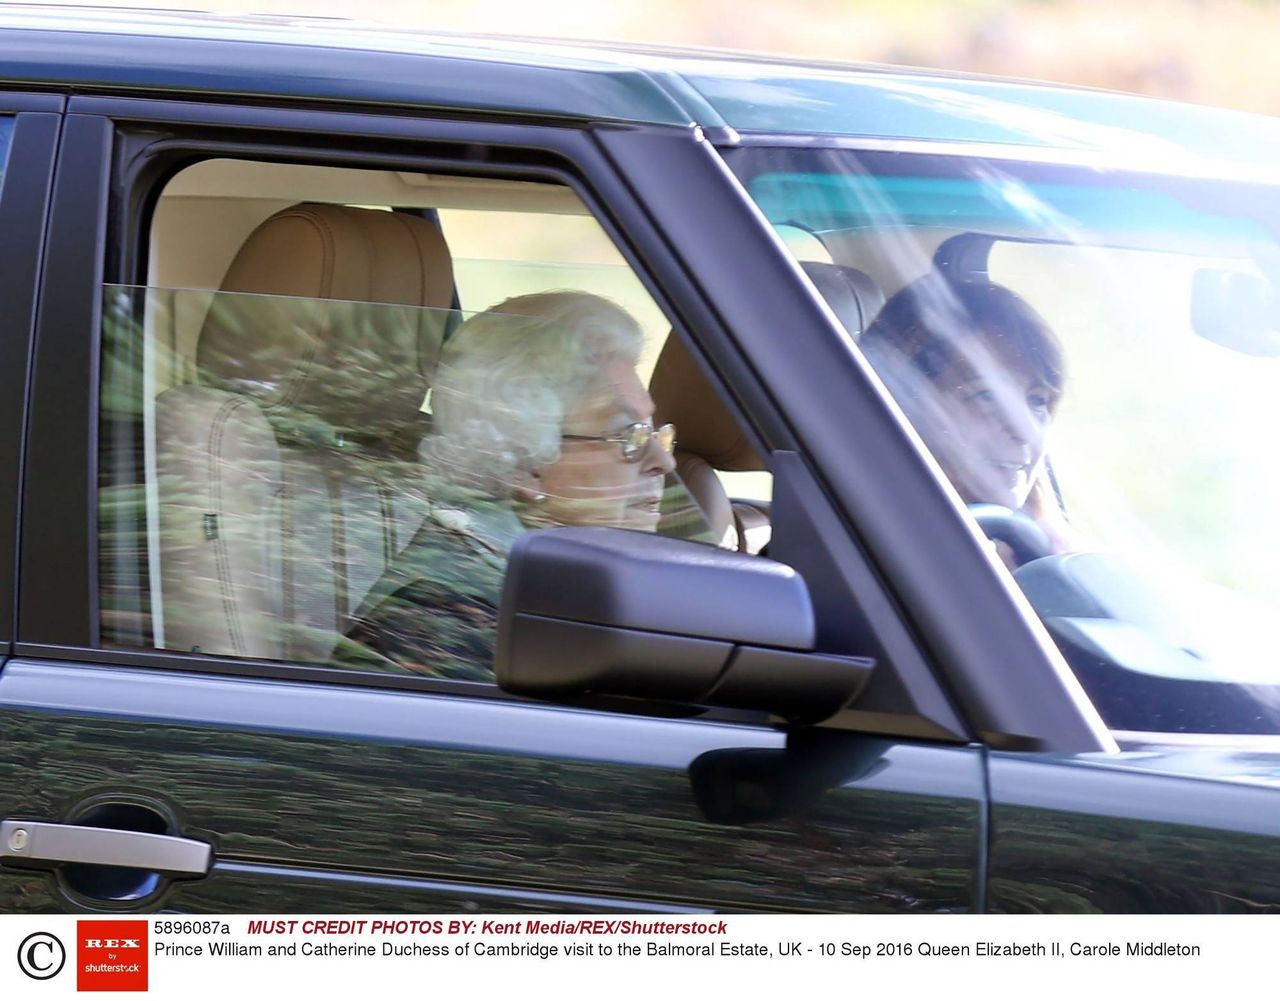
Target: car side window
[(1088, 354), (325, 421)]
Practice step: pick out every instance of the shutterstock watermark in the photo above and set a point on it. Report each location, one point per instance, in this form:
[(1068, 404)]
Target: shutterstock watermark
[(111, 955)]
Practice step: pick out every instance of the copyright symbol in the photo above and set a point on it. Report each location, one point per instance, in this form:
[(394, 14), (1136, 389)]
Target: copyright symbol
[(41, 956)]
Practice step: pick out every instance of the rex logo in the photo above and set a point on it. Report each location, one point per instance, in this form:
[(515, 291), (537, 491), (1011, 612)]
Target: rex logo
[(111, 955)]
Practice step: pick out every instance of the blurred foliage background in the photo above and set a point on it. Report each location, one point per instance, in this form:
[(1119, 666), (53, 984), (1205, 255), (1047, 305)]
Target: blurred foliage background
[(1209, 51)]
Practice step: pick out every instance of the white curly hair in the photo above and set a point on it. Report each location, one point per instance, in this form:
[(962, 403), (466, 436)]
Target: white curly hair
[(509, 376)]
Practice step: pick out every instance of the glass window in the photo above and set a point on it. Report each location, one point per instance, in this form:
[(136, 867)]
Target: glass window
[(1093, 359), (325, 423)]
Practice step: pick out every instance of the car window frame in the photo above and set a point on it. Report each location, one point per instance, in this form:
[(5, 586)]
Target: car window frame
[(104, 197), (998, 662), (24, 205), (112, 183), (118, 165)]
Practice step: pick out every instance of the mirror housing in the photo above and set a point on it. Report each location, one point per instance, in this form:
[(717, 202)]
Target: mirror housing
[(1237, 310), (605, 611)]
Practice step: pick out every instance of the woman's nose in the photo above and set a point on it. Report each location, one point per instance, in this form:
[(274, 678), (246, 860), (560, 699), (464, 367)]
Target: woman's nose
[(1017, 432), (1022, 427), (657, 460)]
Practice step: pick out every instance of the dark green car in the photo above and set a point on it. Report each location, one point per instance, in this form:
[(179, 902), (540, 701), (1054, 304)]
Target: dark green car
[(950, 591)]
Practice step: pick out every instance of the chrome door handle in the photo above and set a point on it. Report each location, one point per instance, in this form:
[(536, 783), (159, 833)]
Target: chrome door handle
[(43, 842)]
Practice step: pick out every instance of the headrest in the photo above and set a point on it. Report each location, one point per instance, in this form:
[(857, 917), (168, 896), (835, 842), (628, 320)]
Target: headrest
[(681, 396), (339, 339), (853, 295)]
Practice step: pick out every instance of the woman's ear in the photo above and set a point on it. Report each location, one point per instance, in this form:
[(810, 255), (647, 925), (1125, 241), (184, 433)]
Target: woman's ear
[(527, 487)]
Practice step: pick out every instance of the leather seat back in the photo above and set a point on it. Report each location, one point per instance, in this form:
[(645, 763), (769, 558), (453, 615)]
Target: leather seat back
[(709, 439), (288, 476), (853, 295)]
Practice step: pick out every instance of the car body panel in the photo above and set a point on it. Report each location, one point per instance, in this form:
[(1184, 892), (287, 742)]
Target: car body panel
[(483, 803), (1137, 832), (981, 112), (275, 57), (202, 66)]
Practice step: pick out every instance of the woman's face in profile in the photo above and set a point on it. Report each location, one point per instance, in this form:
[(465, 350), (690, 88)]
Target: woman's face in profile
[(989, 422), (591, 483)]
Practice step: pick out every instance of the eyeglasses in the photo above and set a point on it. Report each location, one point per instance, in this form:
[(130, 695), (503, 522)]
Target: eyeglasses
[(634, 439)]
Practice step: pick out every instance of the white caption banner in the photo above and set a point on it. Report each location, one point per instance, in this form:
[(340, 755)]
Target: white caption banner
[(320, 957)]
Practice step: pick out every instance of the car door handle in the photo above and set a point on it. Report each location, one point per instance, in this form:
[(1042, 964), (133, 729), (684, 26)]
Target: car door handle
[(43, 842)]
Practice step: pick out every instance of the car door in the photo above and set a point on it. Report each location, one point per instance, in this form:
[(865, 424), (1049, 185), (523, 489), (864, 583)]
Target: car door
[(323, 789), (1176, 830)]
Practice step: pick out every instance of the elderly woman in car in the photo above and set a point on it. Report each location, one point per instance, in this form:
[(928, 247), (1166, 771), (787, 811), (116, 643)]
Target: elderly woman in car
[(539, 420)]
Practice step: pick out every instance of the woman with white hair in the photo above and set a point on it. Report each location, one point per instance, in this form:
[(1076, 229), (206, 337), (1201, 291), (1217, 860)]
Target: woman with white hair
[(539, 420)]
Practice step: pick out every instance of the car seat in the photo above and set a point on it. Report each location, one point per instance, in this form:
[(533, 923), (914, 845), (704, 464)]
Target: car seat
[(708, 437), (286, 474)]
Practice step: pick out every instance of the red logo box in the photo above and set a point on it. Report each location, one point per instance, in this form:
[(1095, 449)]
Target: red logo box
[(111, 955)]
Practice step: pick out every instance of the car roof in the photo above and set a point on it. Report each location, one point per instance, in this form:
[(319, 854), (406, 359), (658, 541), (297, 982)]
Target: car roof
[(184, 53)]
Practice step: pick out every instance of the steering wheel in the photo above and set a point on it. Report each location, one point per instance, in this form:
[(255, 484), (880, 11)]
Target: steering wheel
[(1027, 540)]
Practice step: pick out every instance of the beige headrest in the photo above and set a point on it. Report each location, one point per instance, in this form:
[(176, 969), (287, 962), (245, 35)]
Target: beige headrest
[(351, 348), (681, 396)]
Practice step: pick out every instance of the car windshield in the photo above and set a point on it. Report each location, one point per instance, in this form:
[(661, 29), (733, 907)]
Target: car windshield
[(1092, 356)]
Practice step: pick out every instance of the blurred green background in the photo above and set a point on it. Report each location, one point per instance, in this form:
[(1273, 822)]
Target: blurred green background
[(1210, 51)]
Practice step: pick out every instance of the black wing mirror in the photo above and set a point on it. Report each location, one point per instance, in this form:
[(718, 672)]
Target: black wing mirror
[(603, 611)]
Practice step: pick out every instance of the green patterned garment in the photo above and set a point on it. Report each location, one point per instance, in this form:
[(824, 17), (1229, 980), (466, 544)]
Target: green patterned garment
[(435, 611)]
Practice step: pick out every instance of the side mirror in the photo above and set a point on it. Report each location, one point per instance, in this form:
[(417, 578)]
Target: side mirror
[(753, 785), (603, 611)]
